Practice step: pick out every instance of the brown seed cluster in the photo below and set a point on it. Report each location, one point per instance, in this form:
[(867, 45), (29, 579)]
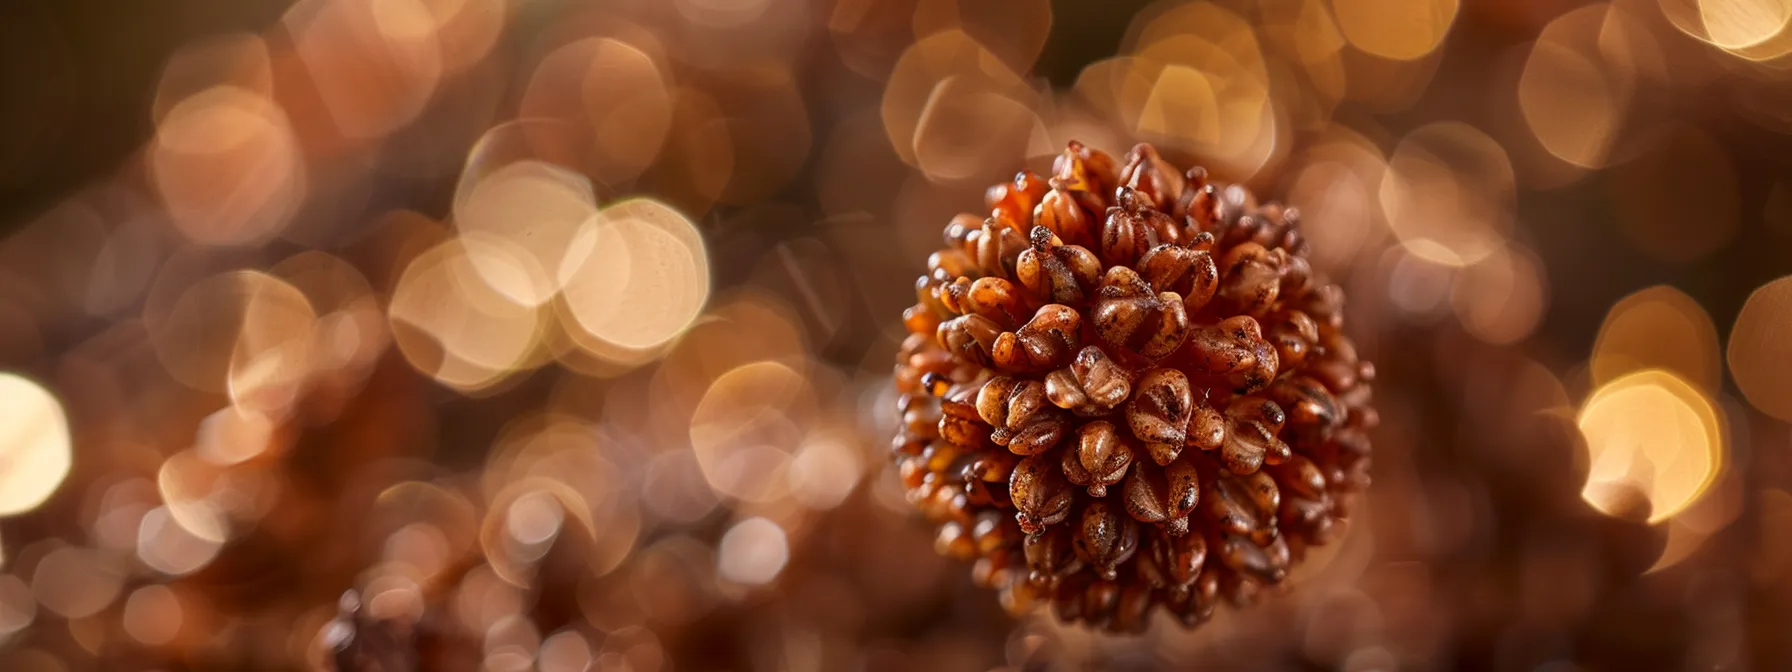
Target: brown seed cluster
[(1126, 388)]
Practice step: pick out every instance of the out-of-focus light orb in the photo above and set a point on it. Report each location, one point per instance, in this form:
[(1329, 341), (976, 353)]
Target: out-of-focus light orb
[(745, 429), (1658, 328), (1449, 193), (238, 59), (227, 167), (351, 327), (35, 447), (1739, 24), (617, 95), (1760, 349), (1417, 285), (510, 645), (564, 651), (697, 162), (1501, 298), (1572, 99), (1754, 30), (232, 435), (374, 63), (1342, 202), (1401, 30), (466, 29), (534, 518), (825, 470), (76, 582), (1712, 513), (519, 222), (17, 606), (963, 125), (1196, 83), (244, 333), (164, 545), (189, 485), (722, 13), (272, 357), (1650, 433), (753, 552), (644, 277), (943, 85), (1337, 190), (452, 326), (152, 615), (1014, 30)]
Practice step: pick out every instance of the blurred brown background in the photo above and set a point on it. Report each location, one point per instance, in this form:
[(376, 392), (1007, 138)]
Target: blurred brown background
[(561, 331)]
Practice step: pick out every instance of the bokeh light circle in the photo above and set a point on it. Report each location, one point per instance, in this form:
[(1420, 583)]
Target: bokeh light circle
[(1760, 351), (35, 444), (1650, 433)]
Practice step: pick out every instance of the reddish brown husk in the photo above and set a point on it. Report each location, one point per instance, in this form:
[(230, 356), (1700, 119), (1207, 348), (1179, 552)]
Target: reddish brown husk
[(1130, 391)]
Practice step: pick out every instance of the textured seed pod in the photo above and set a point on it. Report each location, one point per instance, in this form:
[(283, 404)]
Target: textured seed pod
[(1100, 458), (1091, 385), (1125, 389)]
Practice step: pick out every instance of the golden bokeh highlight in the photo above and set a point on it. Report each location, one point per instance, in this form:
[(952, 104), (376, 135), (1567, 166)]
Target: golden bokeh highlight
[(165, 545), (1338, 191), (1192, 79), (616, 95), (1760, 354), (1649, 434), (1712, 513), (1572, 95), (1758, 31), (18, 607), (564, 651), (1658, 328), (75, 582), (1014, 30), (350, 332), (1400, 30), (951, 106), (245, 333), (152, 615), (1449, 193), (962, 125), (374, 63), (227, 167), (745, 430), (519, 222), (825, 470), (210, 501), (233, 434), (35, 445), (1501, 298), (722, 13), (454, 327), (753, 552), (466, 29), (240, 60), (1739, 24), (643, 278), (273, 353), (697, 163)]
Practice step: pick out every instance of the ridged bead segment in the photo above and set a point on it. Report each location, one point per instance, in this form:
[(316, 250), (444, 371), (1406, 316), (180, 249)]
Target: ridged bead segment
[(1126, 390)]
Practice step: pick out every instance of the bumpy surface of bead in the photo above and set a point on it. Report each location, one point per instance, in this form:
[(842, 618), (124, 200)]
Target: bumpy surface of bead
[(1125, 389)]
